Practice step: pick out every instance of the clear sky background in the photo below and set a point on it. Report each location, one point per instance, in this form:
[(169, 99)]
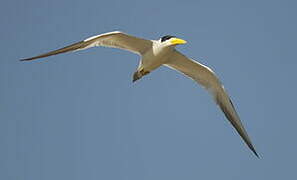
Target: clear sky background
[(78, 116)]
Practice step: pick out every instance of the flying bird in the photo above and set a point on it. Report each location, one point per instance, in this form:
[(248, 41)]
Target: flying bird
[(155, 53)]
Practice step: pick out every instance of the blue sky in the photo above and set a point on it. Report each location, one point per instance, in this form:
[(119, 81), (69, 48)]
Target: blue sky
[(78, 116)]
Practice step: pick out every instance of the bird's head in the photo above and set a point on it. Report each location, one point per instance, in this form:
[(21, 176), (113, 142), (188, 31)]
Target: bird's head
[(172, 40)]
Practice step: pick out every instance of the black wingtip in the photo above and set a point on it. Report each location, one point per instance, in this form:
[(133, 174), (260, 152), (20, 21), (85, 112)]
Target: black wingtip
[(31, 59), (254, 151), (27, 59)]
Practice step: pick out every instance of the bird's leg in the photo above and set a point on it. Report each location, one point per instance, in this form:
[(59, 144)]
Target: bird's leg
[(139, 73)]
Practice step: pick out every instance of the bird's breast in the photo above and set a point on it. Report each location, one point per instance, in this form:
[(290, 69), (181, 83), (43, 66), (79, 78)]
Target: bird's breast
[(155, 58)]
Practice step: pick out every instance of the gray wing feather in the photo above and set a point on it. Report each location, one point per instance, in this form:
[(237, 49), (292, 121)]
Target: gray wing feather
[(114, 39), (207, 78)]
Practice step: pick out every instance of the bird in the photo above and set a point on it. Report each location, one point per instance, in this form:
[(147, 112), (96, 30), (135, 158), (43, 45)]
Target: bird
[(162, 52)]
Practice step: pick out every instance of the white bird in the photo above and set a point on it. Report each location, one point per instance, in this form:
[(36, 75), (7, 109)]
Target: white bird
[(155, 53)]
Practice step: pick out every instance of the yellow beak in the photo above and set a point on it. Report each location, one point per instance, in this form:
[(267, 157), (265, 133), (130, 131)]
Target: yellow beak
[(175, 41)]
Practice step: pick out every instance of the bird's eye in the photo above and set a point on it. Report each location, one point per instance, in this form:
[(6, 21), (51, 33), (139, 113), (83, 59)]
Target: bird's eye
[(164, 38)]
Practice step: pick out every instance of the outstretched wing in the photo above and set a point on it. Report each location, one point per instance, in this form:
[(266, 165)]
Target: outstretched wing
[(207, 78), (114, 39)]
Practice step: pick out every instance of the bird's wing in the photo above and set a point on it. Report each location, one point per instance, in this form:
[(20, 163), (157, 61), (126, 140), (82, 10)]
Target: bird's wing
[(207, 78), (114, 39)]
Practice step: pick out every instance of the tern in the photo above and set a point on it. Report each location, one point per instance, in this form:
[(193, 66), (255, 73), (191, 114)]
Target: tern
[(155, 53)]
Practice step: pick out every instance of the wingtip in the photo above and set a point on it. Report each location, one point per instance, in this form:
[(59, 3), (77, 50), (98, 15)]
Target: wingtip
[(27, 59), (255, 152)]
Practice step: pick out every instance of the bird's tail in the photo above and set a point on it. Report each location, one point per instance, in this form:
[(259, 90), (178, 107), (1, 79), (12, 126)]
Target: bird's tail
[(139, 74)]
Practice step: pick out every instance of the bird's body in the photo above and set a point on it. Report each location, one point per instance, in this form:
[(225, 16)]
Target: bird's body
[(155, 53), (155, 57)]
